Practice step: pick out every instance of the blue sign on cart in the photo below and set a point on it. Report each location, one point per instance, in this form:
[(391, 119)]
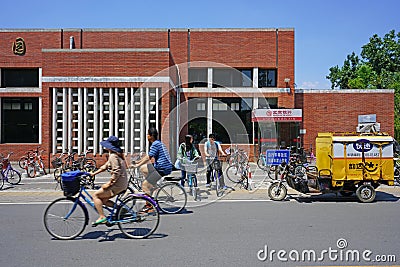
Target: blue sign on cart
[(276, 157)]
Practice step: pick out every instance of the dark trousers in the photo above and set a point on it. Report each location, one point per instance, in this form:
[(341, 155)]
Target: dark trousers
[(209, 171)]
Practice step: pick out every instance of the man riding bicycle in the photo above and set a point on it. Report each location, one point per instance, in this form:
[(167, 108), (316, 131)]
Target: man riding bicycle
[(156, 164)]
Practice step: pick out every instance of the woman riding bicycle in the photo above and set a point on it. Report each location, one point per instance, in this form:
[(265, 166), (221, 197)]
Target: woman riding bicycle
[(119, 178), (187, 152)]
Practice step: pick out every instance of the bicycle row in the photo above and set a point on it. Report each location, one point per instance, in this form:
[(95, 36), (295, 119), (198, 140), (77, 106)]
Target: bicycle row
[(33, 163), (71, 161)]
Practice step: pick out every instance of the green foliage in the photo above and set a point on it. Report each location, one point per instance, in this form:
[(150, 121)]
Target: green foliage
[(378, 69)]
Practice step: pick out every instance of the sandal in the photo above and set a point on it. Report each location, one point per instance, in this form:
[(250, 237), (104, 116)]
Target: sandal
[(99, 221)]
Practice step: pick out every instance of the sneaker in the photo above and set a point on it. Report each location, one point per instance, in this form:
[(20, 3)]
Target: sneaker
[(208, 185), (148, 208), (225, 187)]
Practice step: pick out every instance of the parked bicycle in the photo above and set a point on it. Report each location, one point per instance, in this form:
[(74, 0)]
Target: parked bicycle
[(8, 173), (169, 194), (66, 218), (236, 156), (33, 163), (239, 174), (83, 163)]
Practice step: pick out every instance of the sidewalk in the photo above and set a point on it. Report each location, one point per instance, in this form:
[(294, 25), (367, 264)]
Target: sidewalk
[(43, 189)]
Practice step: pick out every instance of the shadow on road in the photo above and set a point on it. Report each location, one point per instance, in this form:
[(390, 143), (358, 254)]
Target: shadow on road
[(331, 197), (108, 236)]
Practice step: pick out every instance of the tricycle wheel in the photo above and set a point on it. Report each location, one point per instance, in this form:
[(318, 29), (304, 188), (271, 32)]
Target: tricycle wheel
[(277, 191), (366, 193)]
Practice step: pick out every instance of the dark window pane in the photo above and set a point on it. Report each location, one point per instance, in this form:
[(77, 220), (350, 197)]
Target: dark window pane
[(20, 78), (20, 120), (267, 78), (197, 77), (232, 77)]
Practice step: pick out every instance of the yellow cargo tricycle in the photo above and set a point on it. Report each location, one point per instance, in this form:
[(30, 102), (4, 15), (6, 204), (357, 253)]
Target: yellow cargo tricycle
[(346, 163)]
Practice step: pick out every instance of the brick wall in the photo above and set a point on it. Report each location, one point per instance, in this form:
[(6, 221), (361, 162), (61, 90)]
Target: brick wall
[(103, 64), (34, 42), (338, 110)]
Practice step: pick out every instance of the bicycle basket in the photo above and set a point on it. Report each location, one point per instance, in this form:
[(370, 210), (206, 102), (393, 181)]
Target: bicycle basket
[(71, 182), (190, 167), (216, 165)]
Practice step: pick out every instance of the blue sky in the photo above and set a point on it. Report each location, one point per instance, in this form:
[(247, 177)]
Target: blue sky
[(325, 31)]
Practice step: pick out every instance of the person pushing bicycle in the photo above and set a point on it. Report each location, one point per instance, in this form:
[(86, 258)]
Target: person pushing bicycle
[(211, 151)]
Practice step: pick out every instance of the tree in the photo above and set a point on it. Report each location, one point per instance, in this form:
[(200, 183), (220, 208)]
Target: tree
[(379, 68)]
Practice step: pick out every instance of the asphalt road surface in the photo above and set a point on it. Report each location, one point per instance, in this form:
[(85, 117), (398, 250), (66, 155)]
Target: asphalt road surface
[(223, 233), (244, 228)]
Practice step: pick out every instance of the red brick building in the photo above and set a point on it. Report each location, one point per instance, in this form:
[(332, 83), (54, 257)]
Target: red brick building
[(71, 88)]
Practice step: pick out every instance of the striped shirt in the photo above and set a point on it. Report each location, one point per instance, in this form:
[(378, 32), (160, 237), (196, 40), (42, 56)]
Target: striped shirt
[(159, 152)]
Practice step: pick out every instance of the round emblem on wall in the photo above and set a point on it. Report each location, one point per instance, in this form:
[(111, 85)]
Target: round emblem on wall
[(19, 47)]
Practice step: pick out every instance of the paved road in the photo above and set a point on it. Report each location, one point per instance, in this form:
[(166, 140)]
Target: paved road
[(225, 233), (244, 228)]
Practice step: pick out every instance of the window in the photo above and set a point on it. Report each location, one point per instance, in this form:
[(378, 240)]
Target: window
[(197, 77), (233, 125), (268, 102), (232, 77), (19, 78), (219, 106), (20, 120), (267, 78), (201, 106), (235, 106)]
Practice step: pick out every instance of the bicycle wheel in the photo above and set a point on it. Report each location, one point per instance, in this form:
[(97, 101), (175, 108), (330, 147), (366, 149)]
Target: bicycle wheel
[(90, 165), (218, 187), (273, 172), (1, 182), (261, 163), (31, 170), (42, 167), (13, 177), (133, 221), (22, 162), (57, 174), (397, 174), (64, 219), (300, 171), (234, 174), (245, 182), (171, 198)]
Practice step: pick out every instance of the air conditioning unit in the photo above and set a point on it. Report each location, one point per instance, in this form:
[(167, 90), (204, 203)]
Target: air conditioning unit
[(369, 127)]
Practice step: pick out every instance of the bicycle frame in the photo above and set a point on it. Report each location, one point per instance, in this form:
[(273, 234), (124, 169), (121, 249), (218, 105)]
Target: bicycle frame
[(5, 171), (84, 194)]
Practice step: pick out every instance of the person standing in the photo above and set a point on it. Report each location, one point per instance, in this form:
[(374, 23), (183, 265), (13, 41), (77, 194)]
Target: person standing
[(187, 152), (211, 150)]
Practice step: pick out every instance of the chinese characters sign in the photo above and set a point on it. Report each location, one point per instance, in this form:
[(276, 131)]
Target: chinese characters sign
[(279, 115), (276, 157)]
